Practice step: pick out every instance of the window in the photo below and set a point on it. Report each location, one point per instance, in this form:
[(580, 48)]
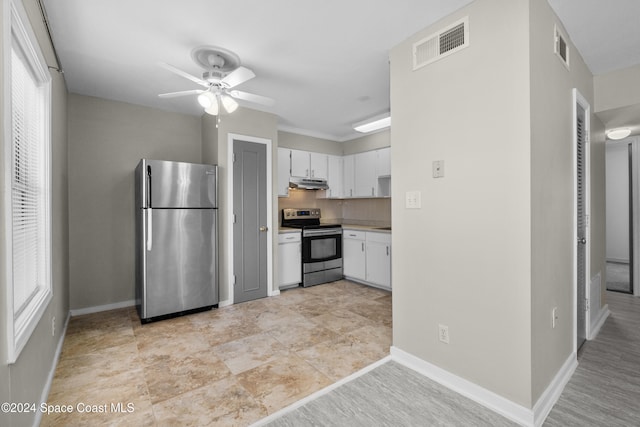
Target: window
[(27, 181)]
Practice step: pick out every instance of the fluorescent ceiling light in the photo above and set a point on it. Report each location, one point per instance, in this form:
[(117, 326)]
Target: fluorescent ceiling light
[(616, 134), (374, 123)]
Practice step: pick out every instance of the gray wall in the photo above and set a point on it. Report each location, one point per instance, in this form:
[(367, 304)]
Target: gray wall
[(246, 122), (25, 380), (106, 141), (309, 143), (617, 160), (470, 109), (501, 119), (552, 195)]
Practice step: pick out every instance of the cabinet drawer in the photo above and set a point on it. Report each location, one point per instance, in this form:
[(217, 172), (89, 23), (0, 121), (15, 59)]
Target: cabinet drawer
[(353, 234), (378, 237), (289, 237)]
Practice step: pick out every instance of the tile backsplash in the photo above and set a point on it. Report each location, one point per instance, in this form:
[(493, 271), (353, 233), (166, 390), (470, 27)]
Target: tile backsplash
[(372, 212)]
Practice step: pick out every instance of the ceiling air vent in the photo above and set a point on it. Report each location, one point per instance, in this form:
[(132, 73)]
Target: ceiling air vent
[(560, 46), (445, 42)]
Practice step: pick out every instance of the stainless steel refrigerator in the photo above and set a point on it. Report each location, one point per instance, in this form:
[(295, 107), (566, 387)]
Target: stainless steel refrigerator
[(176, 238)]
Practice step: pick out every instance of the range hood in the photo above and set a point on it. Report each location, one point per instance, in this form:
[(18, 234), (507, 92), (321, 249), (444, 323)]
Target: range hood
[(308, 183)]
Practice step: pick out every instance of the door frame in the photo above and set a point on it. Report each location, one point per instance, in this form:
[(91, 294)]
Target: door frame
[(634, 217), (578, 99), (231, 138)]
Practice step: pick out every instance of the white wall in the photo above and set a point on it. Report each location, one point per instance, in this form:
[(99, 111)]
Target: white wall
[(617, 167), (107, 139)]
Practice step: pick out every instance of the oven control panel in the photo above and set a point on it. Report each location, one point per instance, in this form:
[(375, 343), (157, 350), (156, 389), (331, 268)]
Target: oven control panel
[(291, 213)]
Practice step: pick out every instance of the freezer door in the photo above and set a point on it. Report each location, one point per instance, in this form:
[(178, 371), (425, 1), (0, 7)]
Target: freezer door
[(181, 261), (180, 185)]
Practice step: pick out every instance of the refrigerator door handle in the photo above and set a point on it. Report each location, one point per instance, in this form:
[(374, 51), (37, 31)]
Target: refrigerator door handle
[(149, 229)]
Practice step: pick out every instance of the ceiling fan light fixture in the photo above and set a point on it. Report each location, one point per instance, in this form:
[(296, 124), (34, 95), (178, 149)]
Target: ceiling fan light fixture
[(374, 123), (616, 134), (214, 108), (206, 99), (229, 104)]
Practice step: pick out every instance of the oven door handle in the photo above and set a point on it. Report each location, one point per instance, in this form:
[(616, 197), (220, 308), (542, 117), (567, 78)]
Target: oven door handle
[(314, 233)]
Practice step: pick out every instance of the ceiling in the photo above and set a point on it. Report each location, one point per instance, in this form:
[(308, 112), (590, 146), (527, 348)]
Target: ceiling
[(325, 63)]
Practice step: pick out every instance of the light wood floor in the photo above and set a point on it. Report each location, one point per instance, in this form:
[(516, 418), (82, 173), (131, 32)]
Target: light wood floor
[(229, 366), (605, 389)]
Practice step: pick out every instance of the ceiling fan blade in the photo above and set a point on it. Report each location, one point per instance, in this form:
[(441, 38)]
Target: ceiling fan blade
[(181, 93), (238, 76), (184, 74), (252, 97)]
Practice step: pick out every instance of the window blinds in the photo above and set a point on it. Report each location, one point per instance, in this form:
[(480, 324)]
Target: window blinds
[(29, 192)]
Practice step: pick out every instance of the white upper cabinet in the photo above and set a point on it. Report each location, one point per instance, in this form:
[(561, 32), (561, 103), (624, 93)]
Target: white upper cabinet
[(365, 174), (383, 164), (284, 167), (300, 164), (348, 177), (335, 171), (305, 164)]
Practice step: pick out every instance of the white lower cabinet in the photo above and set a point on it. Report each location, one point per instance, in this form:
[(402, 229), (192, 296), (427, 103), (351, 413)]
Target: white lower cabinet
[(289, 259), (366, 257), (378, 249), (353, 254)]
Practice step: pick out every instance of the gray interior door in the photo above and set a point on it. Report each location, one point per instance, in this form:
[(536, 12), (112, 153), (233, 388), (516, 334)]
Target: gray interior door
[(582, 228), (250, 226)]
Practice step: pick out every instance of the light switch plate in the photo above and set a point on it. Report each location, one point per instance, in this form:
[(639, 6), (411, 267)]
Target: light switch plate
[(413, 200), (438, 168)]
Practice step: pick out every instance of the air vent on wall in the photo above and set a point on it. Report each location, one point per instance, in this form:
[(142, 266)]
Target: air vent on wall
[(445, 42), (560, 46)]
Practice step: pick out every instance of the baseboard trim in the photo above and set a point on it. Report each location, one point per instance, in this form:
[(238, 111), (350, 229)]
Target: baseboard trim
[(319, 393), (56, 357), (552, 393), (99, 308), (225, 303), (603, 315), (513, 411), (508, 409)]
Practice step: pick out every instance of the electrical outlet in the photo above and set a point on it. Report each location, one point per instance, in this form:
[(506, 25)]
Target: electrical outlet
[(554, 317), (53, 326), (443, 333)]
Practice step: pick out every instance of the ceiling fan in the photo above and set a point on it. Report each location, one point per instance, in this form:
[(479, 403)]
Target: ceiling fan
[(222, 73)]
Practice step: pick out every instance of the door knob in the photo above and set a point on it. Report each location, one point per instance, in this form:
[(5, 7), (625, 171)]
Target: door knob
[(583, 241), (263, 228)]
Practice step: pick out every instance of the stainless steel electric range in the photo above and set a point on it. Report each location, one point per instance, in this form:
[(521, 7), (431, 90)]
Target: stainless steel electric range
[(321, 245)]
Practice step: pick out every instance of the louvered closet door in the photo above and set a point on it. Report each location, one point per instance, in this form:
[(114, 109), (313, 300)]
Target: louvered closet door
[(582, 226)]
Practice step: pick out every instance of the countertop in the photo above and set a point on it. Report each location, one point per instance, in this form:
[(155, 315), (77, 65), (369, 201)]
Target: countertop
[(375, 228), (283, 230)]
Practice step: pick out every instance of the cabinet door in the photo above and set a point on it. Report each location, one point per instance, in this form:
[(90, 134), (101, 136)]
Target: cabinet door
[(334, 177), (284, 168), (383, 166), (318, 164), (365, 174), (379, 263), (300, 163), (348, 163), (353, 257), (290, 263)]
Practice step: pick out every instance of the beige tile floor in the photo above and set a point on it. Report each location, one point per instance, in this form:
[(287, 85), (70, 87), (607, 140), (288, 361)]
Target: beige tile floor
[(228, 366)]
